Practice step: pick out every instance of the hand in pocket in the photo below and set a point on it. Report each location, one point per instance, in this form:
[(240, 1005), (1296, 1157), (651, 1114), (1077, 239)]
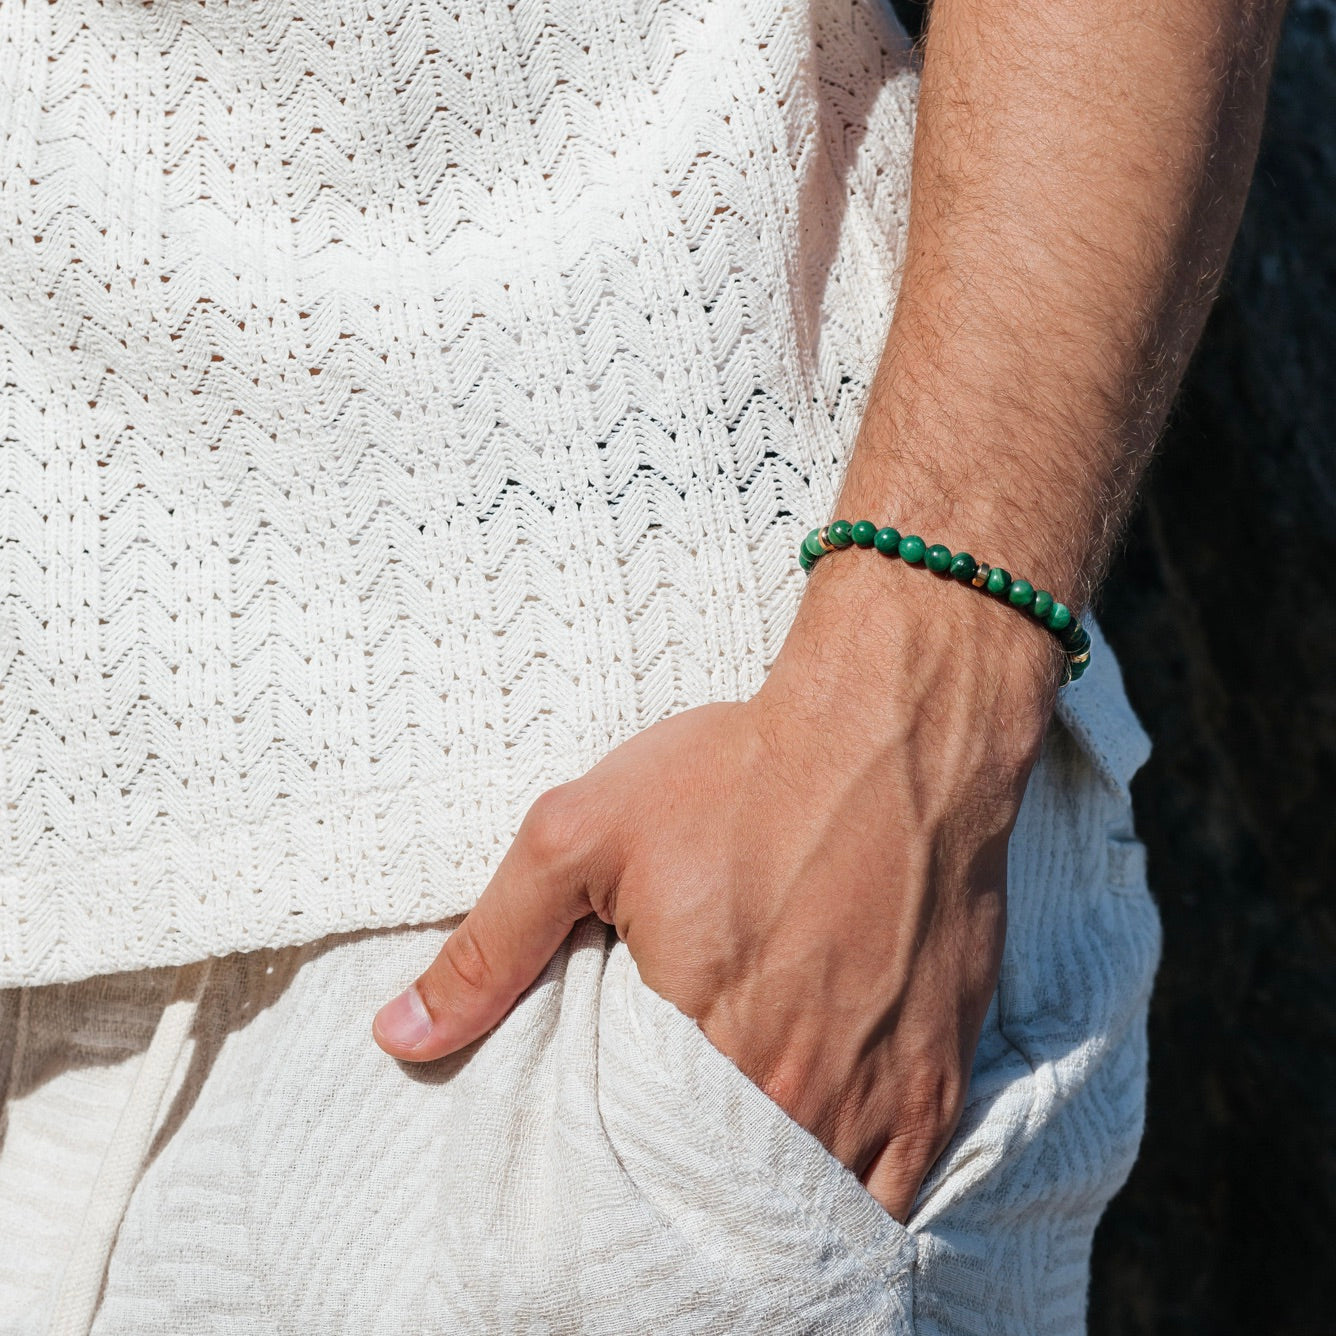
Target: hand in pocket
[(816, 875)]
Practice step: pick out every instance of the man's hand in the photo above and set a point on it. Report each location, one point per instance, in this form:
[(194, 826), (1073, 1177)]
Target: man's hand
[(817, 875)]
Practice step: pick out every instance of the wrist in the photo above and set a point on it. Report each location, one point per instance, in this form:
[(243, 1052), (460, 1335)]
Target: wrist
[(876, 647), (979, 514)]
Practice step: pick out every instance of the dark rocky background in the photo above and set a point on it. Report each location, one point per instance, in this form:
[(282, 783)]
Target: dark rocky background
[(1223, 613), (1222, 609)]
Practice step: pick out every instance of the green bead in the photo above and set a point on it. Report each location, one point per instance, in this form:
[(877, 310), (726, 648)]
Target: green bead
[(840, 534), (864, 532), (887, 541), (912, 548), (1021, 593), (999, 581), (1043, 602), (805, 562), (1059, 617), (963, 566), (812, 545), (937, 558), (1078, 669)]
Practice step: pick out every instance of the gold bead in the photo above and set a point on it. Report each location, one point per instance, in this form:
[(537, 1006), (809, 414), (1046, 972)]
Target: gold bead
[(981, 575), (826, 544), (1083, 657)]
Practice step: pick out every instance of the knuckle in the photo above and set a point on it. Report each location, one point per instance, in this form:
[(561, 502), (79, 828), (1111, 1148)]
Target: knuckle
[(557, 825), (785, 1083), (466, 960), (930, 1107), (787, 1079)]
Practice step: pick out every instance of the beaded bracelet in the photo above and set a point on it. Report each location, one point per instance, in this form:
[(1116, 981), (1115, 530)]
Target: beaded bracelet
[(1021, 594)]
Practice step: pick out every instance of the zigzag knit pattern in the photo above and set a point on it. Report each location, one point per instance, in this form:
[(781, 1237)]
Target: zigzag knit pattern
[(403, 404)]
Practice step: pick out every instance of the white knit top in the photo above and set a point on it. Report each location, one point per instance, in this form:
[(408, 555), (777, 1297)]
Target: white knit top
[(403, 404)]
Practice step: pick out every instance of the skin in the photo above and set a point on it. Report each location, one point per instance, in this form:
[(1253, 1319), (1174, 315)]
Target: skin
[(1079, 172)]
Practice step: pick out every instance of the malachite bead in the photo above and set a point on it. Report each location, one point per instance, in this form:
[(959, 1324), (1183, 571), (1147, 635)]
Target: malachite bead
[(912, 548), (1073, 637), (963, 566), (1021, 593)]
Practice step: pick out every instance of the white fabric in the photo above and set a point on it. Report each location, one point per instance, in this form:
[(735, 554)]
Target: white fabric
[(69, 1059), (81, 1282), (594, 1165), (402, 405)]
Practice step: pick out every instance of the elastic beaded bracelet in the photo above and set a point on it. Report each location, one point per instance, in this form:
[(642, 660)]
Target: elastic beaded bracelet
[(1020, 594)]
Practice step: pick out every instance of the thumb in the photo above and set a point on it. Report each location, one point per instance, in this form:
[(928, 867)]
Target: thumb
[(539, 890)]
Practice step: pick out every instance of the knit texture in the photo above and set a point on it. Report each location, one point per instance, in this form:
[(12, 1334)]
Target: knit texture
[(402, 405)]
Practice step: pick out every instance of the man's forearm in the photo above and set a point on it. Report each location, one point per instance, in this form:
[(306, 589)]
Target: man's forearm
[(1079, 173)]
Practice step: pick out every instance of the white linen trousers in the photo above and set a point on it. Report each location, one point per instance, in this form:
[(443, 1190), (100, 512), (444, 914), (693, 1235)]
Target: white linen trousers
[(221, 1147)]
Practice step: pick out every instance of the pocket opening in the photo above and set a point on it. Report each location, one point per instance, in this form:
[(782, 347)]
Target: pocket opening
[(743, 1129)]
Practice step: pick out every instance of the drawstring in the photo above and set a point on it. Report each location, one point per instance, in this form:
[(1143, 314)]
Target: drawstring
[(81, 1284)]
